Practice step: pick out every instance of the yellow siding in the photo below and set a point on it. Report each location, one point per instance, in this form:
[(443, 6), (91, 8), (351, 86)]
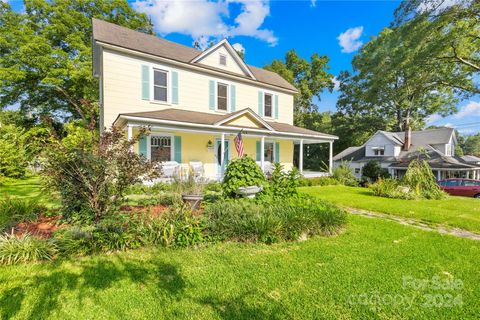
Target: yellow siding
[(245, 121), (213, 59), (194, 148), (122, 90)]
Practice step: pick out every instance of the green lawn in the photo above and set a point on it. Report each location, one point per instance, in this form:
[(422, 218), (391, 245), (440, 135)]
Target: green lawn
[(452, 212), (29, 188), (319, 278)]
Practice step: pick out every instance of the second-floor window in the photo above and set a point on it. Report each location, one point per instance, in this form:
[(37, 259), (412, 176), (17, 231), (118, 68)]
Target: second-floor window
[(268, 105), (222, 96), (379, 151), (160, 85)]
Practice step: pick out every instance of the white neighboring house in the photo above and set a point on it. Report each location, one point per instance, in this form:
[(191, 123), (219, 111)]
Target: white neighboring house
[(395, 150)]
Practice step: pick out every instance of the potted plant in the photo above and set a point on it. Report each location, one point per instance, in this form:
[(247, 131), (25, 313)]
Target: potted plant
[(191, 190)]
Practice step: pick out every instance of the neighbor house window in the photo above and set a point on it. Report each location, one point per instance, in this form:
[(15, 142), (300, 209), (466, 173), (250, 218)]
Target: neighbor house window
[(357, 170), (160, 148), (223, 60), (268, 152), (268, 105), (222, 96), (160, 85), (379, 151)]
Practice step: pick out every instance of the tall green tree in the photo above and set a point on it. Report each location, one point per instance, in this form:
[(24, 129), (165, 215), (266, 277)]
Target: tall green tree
[(309, 77), (394, 80), (46, 54), (449, 37), (471, 146)]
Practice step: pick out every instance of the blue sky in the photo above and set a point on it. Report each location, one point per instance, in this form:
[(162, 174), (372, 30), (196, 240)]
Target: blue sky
[(268, 29)]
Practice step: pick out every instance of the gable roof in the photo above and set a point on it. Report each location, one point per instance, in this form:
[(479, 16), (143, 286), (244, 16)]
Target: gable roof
[(112, 34), (420, 140), (239, 113), (210, 119), (230, 50)]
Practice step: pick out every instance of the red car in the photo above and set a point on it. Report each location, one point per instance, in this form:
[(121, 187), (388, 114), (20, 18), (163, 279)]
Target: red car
[(461, 187)]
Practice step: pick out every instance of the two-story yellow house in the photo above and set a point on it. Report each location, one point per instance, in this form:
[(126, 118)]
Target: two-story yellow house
[(195, 102)]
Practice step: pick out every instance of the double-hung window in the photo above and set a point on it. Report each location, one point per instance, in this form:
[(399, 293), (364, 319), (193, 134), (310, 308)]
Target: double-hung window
[(160, 85), (222, 96), (268, 105), (160, 148)]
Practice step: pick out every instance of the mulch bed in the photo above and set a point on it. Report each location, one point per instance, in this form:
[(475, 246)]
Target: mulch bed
[(43, 227), (153, 211)]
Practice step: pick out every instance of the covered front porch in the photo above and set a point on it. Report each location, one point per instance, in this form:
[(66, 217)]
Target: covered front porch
[(205, 150)]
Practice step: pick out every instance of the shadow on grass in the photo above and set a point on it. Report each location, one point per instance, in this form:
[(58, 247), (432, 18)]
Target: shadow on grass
[(250, 305), (87, 279)]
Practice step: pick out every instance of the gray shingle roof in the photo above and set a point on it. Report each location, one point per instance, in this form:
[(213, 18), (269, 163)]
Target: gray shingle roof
[(422, 142), (471, 159), (211, 119), (130, 39)]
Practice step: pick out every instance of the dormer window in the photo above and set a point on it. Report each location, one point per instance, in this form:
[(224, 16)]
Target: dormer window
[(223, 60), (378, 151)]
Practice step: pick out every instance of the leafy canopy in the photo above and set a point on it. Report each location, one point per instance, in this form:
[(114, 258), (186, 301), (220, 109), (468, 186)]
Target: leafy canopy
[(310, 78), (46, 54)]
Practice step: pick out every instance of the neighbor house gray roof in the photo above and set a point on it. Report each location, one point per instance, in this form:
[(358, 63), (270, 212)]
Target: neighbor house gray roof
[(471, 159), (211, 119), (421, 146), (113, 34)]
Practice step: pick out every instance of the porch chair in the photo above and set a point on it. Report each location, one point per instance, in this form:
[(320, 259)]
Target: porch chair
[(170, 168), (198, 170)]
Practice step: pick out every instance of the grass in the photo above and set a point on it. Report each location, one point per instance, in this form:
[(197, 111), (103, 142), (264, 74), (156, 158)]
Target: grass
[(451, 212), (29, 188), (318, 278)]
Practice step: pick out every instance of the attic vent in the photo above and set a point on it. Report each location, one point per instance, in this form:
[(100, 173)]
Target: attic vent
[(223, 60)]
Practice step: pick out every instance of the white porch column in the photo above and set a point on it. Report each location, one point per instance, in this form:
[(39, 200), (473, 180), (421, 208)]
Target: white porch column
[(330, 158), (222, 155), (474, 172), (262, 154), (439, 175), (468, 174), (300, 162), (130, 134)]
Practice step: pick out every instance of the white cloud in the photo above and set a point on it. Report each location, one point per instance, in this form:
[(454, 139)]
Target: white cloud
[(313, 3), (205, 21), (238, 47), (348, 40), (472, 109)]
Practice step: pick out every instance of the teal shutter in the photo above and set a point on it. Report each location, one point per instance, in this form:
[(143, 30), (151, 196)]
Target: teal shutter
[(211, 87), (142, 146), (258, 157), (232, 98), (260, 103), (277, 152), (276, 106), (174, 87), (177, 146), (145, 82)]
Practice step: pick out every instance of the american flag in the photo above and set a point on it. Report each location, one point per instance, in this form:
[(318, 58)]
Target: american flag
[(239, 144)]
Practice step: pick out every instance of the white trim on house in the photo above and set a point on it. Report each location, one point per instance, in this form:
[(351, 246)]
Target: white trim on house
[(232, 52), (228, 128), (193, 67)]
